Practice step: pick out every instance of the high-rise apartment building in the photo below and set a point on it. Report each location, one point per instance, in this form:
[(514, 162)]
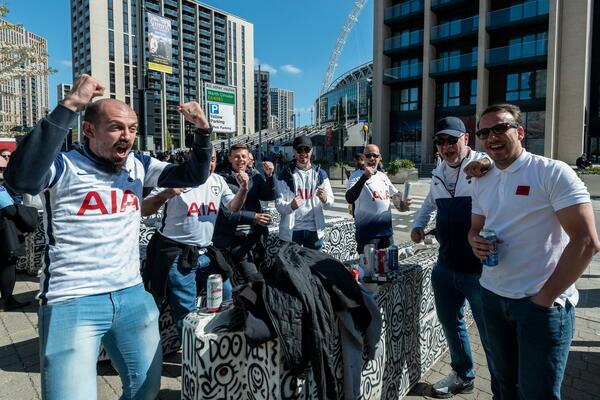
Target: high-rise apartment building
[(62, 89), (24, 100), (208, 45), (434, 58), (282, 106), (262, 87)]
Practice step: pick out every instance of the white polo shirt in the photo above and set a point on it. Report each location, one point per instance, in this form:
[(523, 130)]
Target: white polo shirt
[(520, 204), (190, 217)]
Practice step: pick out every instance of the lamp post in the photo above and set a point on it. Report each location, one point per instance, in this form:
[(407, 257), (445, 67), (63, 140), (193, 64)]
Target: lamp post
[(294, 121)]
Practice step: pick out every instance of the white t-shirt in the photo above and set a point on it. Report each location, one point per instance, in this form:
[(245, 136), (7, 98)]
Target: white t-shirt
[(520, 204), (92, 222), (306, 188), (190, 217), (372, 214)]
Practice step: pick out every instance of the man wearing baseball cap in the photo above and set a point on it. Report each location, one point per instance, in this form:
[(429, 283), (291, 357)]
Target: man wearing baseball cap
[(303, 192), (455, 277)]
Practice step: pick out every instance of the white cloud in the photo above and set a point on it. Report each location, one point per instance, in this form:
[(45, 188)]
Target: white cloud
[(290, 69), (264, 67), (66, 63)]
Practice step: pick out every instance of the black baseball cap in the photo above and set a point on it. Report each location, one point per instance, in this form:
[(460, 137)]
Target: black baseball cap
[(302, 141), (451, 126)]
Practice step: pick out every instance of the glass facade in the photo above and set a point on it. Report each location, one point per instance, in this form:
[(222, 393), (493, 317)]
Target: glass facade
[(405, 138), (341, 103), (526, 85), (534, 124)]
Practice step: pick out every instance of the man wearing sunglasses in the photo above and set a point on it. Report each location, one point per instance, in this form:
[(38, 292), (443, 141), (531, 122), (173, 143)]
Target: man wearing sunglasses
[(303, 192), (546, 235), (455, 277), (371, 191)]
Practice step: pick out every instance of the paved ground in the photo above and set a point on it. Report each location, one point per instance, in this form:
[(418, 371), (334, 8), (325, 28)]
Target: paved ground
[(19, 362)]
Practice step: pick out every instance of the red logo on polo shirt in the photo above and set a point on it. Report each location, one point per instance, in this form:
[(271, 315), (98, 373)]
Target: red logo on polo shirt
[(522, 190)]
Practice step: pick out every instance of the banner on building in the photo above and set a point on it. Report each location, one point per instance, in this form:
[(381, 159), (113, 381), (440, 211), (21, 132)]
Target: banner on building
[(160, 48), (220, 103)]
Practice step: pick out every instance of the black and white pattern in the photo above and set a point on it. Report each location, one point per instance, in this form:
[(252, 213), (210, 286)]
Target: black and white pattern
[(411, 342), (35, 244)]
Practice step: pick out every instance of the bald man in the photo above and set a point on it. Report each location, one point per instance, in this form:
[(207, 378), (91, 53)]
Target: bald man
[(371, 192), (91, 287)]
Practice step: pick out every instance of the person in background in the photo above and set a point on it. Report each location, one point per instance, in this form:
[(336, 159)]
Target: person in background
[(242, 234), (5, 154), (359, 161), (455, 276), (91, 288), (582, 162), (371, 192), (543, 220), (304, 192)]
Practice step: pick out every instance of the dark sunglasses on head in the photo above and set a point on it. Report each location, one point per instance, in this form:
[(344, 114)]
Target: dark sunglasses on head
[(371, 155), (443, 141), (303, 149), (497, 129)]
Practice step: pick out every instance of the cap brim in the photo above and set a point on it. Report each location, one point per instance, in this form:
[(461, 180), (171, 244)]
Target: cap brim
[(450, 132)]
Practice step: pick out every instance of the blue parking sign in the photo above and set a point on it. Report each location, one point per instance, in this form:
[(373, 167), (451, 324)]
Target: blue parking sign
[(214, 108)]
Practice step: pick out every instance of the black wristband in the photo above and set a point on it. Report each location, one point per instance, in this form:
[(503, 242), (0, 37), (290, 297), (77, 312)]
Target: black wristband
[(206, 132)]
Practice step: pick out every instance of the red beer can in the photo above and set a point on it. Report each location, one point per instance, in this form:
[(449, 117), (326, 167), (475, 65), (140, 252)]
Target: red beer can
[(381, 261)]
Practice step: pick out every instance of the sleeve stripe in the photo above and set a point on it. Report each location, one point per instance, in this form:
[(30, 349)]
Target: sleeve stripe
[(144, 159), (59, 168)]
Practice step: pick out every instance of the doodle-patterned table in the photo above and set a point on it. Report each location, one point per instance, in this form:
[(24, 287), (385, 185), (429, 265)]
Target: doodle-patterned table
[(223, 366)]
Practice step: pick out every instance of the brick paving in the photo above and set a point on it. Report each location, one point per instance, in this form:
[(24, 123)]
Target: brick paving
[(19, 361)]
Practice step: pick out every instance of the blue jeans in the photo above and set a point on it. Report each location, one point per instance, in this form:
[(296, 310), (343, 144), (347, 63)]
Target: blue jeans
[(125, 321), (530, 345), (450, 289), (307, 239), (182, 286)]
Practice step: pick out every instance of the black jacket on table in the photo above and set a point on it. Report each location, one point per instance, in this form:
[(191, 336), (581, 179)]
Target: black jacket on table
[(296, 303), (259, 188)]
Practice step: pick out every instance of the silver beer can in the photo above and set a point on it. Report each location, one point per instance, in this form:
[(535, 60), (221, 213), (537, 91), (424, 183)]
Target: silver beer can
[(492, 259), (214, 292)]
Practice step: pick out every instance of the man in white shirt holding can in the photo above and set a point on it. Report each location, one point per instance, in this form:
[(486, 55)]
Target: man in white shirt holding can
[(546, 237)]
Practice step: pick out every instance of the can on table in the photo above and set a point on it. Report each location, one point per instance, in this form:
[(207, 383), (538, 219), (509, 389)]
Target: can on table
[(393, 258), (214, 292), (492, 259), (381, 261)]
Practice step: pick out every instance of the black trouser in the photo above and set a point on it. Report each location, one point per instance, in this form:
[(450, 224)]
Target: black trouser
[(247, 253)]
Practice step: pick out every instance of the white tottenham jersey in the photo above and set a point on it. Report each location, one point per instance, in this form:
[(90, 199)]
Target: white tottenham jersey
[(190, 217), (92, 222)]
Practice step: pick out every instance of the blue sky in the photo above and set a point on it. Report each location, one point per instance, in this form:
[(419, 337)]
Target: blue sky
[(294, 39)]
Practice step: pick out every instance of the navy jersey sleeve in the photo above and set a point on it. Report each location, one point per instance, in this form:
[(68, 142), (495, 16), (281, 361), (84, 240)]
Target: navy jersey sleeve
[(34, 164)]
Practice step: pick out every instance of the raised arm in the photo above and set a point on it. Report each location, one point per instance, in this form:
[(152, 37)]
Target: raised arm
[(194, 171), (153, 202), (29, 167)]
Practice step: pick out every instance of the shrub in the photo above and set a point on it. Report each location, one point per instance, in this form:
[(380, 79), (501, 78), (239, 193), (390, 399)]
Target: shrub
[(589, 171), (396, 165)]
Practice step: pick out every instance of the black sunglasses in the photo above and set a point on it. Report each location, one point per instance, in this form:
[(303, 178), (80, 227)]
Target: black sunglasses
[(498, 129), (303, 149), (371, 155), (449, 140)]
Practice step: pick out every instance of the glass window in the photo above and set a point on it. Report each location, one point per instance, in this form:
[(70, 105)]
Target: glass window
[(526, 85), (534, 124), (450, 94), (111, 45), (125, 16), (110, 15), (473, 96)]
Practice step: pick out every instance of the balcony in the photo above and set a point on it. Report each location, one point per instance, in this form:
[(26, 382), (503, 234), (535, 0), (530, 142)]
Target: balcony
[(404, 41), (453, 64), (403, 11), (521, 14), (403, 74), (523, 53), (455, 29), (438, 5)]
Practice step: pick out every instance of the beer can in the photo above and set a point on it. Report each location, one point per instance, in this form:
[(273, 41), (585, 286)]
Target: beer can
[(355, 273), (214, 292), (492, 259), (406, 192), (393, 258), (381, 261)]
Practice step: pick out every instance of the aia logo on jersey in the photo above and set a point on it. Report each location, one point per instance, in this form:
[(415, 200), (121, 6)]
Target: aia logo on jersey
[(380, 195), (304, 194), (93, 202), (203, 210)]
